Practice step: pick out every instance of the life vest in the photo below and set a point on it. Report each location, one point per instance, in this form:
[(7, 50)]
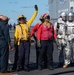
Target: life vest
[(47, 33)]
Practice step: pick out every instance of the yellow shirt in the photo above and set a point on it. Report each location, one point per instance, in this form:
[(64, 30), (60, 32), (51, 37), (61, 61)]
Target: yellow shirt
[(22, 31)]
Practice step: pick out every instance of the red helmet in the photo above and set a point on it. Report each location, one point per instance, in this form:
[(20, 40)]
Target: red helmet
[(46, 16)]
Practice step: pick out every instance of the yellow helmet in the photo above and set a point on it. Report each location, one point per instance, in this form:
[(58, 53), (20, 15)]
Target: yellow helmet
[(21, 16)]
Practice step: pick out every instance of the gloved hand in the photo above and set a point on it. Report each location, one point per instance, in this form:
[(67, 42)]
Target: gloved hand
[(36, 7), (63, 42), (56, 41), (32, 42), (38, 43)]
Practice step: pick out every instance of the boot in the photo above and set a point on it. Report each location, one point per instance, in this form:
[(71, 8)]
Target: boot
[(50, 67), (65, 66), (39, 68)]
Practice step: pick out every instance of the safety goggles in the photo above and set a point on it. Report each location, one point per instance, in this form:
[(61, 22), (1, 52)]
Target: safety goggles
[(22, 18), (47, 17)]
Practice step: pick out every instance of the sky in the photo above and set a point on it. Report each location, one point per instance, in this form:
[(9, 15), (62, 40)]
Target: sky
[(13, 8)]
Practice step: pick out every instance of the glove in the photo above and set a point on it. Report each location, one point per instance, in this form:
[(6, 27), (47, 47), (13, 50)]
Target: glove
[(36, 7), (56, 41), (58, 44), (38, 44), (32, 42), (63, 42)]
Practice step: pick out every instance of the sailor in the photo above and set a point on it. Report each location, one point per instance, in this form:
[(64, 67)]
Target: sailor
[(60, 28), (70, 40), (46, 35), (5, 45), (22, 39)]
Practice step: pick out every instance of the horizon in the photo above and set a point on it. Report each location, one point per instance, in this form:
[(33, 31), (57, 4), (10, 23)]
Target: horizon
[(26, 7)]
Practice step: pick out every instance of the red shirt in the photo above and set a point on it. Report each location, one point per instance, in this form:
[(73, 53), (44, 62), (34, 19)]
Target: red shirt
[(35, 29), (45, 33)]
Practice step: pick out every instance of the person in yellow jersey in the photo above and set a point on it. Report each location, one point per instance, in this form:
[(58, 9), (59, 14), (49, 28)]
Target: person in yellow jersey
[(22, 39)]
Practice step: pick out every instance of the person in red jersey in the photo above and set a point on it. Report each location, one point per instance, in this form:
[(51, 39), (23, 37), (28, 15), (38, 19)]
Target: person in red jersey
[(34, 34), (46, 35)]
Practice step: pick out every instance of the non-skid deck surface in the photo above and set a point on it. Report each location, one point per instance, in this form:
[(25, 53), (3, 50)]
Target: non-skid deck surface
[(6, 74)]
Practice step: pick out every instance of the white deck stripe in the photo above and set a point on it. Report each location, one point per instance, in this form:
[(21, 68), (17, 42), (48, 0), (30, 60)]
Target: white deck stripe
[(15, 74)]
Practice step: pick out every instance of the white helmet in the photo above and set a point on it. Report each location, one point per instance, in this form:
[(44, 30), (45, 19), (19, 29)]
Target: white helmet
[(70, 17), (64, 16)]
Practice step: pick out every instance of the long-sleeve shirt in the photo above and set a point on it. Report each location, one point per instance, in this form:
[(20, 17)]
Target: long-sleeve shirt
[(35, 29), (23, 30), (4, 33), (45, 33)]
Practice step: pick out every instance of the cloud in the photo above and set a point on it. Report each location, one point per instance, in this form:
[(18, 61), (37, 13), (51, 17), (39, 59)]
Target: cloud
[(27, 7), (14, 11), (13, 2)]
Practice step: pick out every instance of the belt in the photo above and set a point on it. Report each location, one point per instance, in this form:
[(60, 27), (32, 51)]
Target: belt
[(25, 40)]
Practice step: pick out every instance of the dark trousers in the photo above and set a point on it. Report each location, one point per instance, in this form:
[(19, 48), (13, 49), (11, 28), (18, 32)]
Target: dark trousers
[(15, 57), (46, 47), (37, 49), (37, 52), (4, 53), (37, 56), (23, 53)]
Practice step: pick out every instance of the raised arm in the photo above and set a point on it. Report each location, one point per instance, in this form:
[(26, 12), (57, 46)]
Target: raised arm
[(33, 16)]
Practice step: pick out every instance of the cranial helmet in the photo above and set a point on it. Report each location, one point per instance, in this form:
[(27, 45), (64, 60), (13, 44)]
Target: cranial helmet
[(70, 17), (21, 16), (46, 16), (64, 16)]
